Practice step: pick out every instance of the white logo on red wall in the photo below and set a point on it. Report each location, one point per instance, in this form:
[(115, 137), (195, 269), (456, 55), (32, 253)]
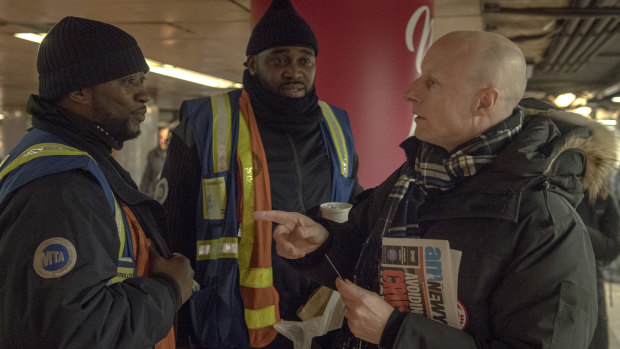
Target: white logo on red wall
[(425, 38)]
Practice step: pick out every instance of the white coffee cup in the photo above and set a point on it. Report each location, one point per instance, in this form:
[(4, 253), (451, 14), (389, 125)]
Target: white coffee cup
[(336, 211)]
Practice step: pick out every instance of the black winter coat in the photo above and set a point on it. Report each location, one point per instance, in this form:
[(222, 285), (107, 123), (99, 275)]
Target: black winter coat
[(79, 309), (602, 219), (527, 273)]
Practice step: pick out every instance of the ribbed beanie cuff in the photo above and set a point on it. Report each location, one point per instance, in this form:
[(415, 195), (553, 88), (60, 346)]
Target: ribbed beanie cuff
[(79, 53)]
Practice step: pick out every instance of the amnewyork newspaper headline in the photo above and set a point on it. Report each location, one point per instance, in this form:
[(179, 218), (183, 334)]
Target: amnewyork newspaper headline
[(421, 276)]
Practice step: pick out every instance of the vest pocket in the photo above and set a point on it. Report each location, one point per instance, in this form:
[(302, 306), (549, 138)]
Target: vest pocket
[(218, 322)]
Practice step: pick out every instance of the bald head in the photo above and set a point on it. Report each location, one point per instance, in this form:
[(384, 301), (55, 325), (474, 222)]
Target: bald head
[(470, 81), (490, 60)]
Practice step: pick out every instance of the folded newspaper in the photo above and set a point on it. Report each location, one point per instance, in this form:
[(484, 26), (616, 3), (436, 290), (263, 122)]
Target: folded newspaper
[(421, 276)]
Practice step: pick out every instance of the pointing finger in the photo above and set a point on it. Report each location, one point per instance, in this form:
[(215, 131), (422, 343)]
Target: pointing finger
[(289, 219)]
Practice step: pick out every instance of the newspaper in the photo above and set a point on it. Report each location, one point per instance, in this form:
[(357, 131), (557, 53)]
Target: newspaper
[(421, 276)]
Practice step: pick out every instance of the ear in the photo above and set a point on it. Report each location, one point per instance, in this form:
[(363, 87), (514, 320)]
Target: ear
[(485, 101), (251, 63), (83, 96)]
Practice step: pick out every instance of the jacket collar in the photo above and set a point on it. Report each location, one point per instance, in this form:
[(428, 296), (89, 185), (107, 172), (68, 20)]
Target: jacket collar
[(87, 136), (68, 125)]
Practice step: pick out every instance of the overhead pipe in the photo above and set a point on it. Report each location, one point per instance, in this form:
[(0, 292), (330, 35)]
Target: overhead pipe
[(598, 28), (558, 44), (577, 39), (565, 12), (597, 46), (585, 43)]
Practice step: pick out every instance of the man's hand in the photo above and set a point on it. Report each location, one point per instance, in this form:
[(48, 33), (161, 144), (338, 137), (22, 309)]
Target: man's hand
[(295, 234), (177, 267), (367, 312)]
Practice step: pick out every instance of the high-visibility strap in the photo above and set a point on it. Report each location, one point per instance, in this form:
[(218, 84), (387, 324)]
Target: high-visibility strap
[(38, 150), (244, 154), (58, 149), (120, 227), (259, 318), (221, 132), (338, 137), (218, 248), (258, 277)]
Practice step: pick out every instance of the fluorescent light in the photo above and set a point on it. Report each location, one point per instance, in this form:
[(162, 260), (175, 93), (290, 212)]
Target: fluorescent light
[(1, 116), (188, 75), (585, 111), (30, 37), (564, 100), (608, 122), (162, 68), (615, 99)]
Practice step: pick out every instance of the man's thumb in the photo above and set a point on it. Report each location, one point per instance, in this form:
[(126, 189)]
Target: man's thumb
[(153, 254)]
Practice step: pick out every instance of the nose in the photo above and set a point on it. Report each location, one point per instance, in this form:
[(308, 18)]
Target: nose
[(410, 94), (292, 71), (143, 94)]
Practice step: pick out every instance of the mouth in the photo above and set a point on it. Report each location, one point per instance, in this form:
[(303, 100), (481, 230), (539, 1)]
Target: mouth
[(140, 114), (293, 89)]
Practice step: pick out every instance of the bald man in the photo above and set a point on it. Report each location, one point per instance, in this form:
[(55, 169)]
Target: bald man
[(496, 179)]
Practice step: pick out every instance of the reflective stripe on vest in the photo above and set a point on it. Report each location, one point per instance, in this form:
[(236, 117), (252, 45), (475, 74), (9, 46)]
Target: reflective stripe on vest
[(215, 196), (37, 150), (125, 267), (221, 132), (338, 137), (251, 277), (214, 249)]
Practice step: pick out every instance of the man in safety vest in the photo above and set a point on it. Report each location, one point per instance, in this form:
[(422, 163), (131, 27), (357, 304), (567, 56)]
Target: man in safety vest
[(272, 144), (84, 264)]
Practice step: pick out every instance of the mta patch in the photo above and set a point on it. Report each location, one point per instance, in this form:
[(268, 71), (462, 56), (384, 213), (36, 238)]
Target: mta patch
[(54, 258), (161, 191)]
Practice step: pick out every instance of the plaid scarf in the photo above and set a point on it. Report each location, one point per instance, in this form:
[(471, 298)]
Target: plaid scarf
[(431, 169)]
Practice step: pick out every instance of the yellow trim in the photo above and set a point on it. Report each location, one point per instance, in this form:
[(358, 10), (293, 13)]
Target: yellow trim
[(337, 136), (258, 278), (122, 273), (246, 242), (120, 226), (220, 105), (38, 150), (218, 248), (51, 149), (260, 318)]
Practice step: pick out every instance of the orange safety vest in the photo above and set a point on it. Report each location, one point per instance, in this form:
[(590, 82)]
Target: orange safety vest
[(260, 298), (141, 255), (237, 302)]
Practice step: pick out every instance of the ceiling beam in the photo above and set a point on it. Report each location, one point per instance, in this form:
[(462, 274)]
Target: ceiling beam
[(564, 12)]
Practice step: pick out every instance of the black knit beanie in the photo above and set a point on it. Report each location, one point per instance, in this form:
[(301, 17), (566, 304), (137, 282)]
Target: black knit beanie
[(281, 25), (79, 52)]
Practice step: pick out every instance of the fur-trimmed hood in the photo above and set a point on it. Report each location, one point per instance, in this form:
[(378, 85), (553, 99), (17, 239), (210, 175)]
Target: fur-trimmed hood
[(600, 146)]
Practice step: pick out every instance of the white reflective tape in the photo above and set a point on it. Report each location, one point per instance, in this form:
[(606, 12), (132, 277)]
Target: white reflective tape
[(221, 117), (213, 249)]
